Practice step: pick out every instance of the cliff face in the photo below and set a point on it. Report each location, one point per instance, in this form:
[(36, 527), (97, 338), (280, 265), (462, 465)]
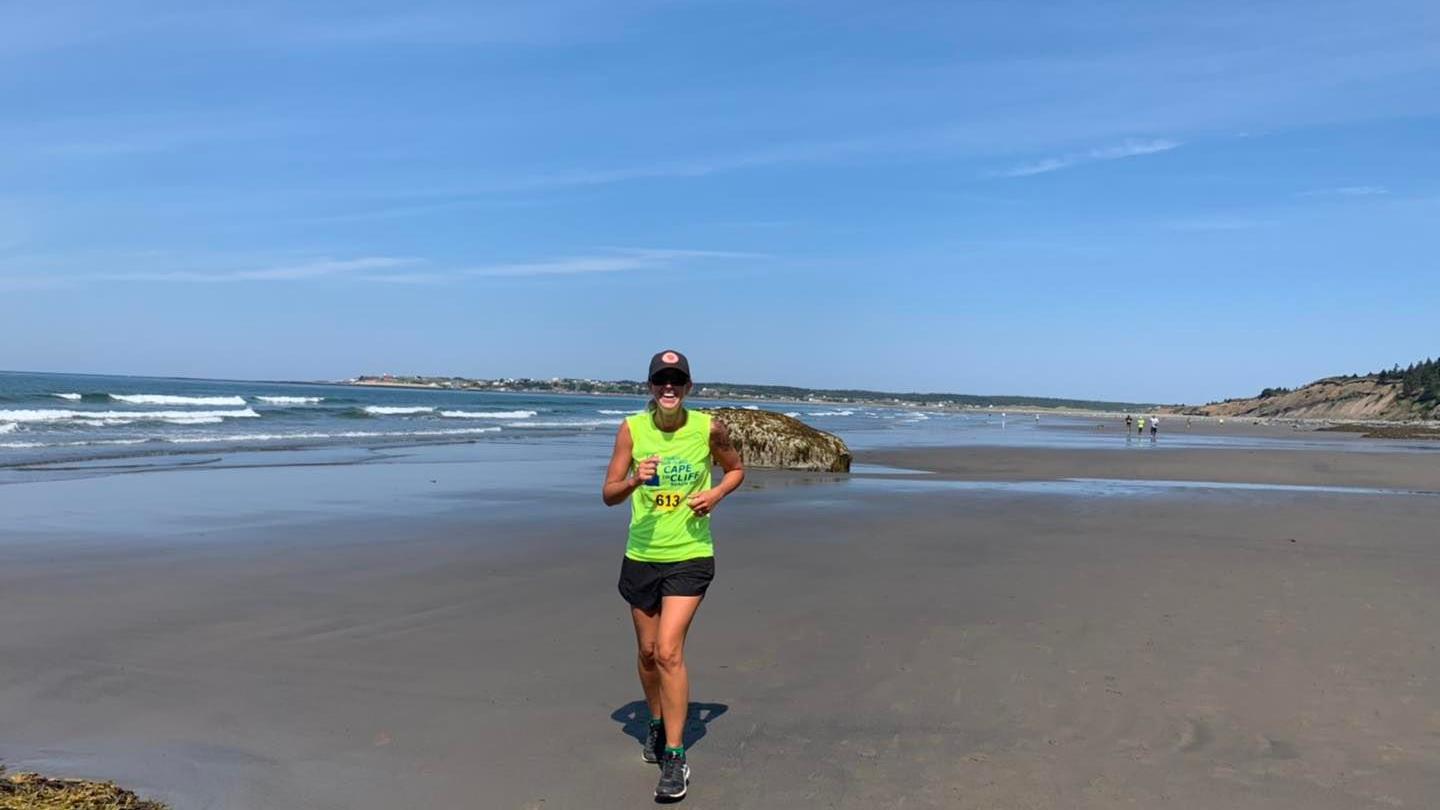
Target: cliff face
[(1357, 398), (767, 439)]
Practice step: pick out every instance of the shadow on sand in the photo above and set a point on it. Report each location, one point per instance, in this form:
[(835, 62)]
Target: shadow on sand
[(634, 718)]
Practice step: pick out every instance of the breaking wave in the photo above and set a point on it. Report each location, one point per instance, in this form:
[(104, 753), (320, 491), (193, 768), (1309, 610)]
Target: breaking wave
[(488, 415), (388, 410), (27, 445), (291, 400), (119, 417), (168, 399), (831, 413), (8, 427), (349, 434), (575, 424), (71, 397)]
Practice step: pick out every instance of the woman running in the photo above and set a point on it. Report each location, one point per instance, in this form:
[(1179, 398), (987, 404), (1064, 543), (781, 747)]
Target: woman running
[(661, 464)]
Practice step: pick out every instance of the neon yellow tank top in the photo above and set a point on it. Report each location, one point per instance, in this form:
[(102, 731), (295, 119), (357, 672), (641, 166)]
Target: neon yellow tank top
[(662, 526)]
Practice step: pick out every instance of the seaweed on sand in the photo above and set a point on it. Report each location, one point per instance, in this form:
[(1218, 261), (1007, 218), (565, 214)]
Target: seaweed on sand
[(1387, 431), (31, 791)]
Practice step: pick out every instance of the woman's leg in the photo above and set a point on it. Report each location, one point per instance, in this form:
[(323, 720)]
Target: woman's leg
[(647, 636), (676, 613)]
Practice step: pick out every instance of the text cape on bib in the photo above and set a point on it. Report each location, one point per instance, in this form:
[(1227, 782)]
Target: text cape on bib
[(663, 528)]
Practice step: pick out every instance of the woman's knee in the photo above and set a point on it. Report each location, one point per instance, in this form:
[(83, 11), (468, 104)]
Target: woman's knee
[(670, 656), (648, 654)]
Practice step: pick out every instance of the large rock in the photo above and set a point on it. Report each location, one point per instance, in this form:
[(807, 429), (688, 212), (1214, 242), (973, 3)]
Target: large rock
[(767, 439)]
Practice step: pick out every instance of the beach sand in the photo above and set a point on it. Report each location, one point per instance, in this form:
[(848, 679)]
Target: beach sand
[(866, 644)]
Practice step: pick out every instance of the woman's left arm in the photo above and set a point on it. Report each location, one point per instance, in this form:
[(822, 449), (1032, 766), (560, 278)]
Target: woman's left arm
[(722, 449)]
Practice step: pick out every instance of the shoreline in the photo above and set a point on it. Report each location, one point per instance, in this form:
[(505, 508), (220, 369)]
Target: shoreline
[(1417, 471), (1168, 410)]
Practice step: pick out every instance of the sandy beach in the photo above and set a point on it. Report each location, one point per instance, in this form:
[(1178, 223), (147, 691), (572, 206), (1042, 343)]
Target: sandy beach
[(253, 638)]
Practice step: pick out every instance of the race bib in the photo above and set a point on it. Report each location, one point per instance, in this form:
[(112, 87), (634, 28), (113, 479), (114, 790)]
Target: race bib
[(667, 500)]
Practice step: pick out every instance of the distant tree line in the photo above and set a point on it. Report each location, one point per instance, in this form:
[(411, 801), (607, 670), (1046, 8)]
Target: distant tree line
[(917, 398), (1419, 381), (723, 390)]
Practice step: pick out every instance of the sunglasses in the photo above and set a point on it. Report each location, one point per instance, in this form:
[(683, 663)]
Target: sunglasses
[(673, 378)]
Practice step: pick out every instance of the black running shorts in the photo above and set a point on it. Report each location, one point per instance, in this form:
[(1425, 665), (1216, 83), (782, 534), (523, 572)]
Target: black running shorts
[(644, 583)]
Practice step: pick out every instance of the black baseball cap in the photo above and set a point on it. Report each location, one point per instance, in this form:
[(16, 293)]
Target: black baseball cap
[(668, 359)]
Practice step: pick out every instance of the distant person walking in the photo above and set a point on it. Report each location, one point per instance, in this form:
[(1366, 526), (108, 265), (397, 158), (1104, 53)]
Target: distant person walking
[(1140, 423), (1128, 423), (1154, 426), (661, 464)]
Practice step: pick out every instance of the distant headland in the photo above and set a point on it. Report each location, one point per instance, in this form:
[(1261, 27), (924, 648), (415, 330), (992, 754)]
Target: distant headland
[(742, 391), (1409, 394), (1395, 395)]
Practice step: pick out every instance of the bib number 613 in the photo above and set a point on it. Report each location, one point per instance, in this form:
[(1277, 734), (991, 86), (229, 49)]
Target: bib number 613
[(667, 501)]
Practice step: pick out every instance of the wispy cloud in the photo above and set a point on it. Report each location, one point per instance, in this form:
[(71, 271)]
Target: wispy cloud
[(386, 269), (369, 268), (123, 138), (519, 23), (22, 283), (293, 272), (798, 152), (616, 261), (532, 22), (1346, 191), (405, 278), (1128, 149)]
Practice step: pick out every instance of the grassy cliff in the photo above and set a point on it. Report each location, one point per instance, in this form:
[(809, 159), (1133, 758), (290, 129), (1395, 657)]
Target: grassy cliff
[(1395, 395)]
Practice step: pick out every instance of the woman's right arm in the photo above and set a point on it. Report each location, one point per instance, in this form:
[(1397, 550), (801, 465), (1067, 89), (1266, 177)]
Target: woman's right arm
[(618, 483)]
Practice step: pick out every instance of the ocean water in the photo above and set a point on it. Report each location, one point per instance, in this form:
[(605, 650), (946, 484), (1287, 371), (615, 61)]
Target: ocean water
[(46, 418), (49, 418)]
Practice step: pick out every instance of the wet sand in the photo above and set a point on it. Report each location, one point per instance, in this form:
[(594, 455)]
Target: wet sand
[(1418, 470), (862, 646)]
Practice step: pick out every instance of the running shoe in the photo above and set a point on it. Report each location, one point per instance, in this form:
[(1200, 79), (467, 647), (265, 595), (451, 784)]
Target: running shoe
[(674, 778)]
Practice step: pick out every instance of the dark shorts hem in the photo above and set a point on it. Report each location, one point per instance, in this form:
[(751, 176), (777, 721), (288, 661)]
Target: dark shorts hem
[(644, 584)]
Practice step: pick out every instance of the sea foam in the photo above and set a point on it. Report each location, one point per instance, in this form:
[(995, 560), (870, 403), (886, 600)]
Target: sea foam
[(349, 434), (118, 417), (576, 424), (291, 400), (8, 427), (71, 397), (387, 410), (488, 415), (616, 413), (167, 399), (26, 445), (195, 420)]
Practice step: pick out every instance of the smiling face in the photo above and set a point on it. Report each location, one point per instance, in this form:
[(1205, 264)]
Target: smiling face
[(669, 388)]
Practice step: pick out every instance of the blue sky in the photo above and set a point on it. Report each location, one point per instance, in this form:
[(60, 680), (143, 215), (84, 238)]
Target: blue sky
[(1140, 200)]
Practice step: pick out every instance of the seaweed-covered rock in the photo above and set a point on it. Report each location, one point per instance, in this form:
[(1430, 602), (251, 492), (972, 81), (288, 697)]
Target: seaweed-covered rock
[(768, 439)]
